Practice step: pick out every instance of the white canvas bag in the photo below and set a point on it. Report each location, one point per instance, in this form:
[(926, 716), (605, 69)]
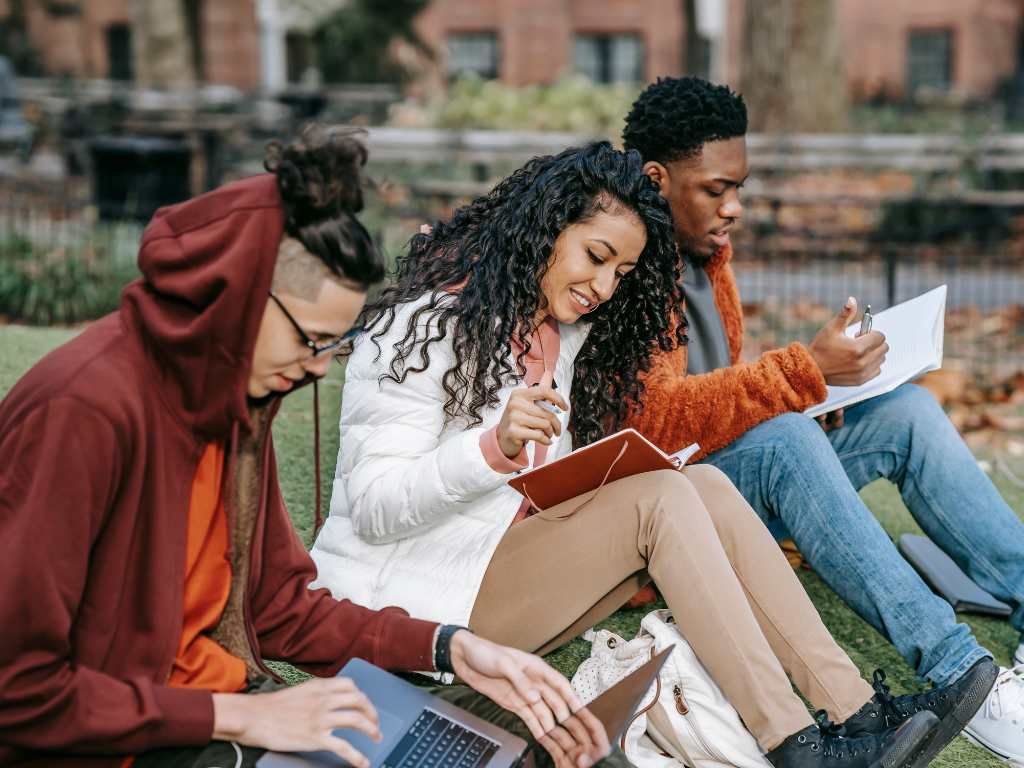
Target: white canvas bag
[(611, 659), (684, 719)]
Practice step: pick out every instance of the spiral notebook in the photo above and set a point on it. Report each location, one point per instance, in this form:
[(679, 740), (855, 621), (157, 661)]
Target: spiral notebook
[(612, 458)]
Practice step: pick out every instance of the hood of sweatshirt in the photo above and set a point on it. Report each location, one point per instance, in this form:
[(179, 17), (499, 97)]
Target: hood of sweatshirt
[(207, 266)]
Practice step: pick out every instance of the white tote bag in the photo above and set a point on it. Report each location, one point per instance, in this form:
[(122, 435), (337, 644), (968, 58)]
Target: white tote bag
[(684, 719)]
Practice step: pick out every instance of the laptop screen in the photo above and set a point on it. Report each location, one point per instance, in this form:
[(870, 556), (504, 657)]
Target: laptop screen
[(601, 722)]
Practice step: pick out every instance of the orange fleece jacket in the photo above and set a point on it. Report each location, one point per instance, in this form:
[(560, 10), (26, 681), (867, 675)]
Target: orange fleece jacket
[(715, 408)]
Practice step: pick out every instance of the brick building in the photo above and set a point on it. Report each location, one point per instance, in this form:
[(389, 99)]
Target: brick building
[(537, 41), (893, 47), (963, 46), (99, 39)]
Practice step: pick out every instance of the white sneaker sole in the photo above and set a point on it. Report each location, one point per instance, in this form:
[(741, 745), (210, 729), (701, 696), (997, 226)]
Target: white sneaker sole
[(1016, 762)]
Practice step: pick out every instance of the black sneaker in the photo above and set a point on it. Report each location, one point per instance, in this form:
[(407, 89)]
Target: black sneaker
[(954, 705), (825, 746)]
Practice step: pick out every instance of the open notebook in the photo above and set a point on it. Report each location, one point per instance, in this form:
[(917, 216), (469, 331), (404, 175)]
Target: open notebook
[(612, 458), (914, 332)]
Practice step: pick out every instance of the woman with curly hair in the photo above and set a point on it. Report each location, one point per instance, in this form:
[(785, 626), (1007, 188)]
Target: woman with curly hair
[(565, 274)]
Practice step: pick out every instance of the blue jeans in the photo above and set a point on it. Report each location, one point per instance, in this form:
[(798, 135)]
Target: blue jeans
[(792, 472)]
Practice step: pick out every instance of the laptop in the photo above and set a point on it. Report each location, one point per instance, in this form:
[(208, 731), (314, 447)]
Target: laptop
[(422, 731)]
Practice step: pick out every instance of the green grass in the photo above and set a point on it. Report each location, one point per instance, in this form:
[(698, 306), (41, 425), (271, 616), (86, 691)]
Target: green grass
[(20, 347)]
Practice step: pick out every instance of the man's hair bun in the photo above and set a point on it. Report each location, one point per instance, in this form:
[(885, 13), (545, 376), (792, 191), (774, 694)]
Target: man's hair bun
[(319, 174), (320, 181)]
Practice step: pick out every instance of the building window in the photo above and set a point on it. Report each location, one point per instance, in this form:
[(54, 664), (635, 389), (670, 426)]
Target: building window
[(119, 52), (473, 53), (930, 60), (610, 58), (60, 8)]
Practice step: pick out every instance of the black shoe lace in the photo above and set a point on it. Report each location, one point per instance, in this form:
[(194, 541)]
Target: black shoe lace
[(835, 743), (826, 727), (881, 689), (887, 702), (899, 708), (832, 736)]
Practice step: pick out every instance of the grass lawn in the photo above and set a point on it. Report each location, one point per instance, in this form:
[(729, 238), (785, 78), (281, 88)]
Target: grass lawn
[(20, 347)]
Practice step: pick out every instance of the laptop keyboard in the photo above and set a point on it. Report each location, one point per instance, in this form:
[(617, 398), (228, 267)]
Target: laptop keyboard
[(434, 741)]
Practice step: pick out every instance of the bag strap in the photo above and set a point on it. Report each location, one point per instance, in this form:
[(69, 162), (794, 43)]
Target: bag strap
[(582, 504)]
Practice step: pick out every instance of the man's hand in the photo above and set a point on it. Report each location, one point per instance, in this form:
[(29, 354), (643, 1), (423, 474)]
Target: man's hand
[(843, 361), (524, 420), (542, 698), (831, 420), (298, 719)]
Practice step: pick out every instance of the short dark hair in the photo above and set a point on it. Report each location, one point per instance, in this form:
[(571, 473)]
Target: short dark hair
[(320, 180), (676, 116)]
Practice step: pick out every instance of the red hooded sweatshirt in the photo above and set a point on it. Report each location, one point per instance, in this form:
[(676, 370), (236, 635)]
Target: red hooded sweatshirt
[(99, 444)]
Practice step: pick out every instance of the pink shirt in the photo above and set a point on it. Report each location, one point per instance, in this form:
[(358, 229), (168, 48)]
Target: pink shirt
[(541, 358)]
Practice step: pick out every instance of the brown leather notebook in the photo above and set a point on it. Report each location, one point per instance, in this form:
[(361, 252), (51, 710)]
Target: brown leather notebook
[(612, 458)]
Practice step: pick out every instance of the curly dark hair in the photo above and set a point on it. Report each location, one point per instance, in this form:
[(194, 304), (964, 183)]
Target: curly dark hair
[(676, 116), (320, 180), (483, 271)]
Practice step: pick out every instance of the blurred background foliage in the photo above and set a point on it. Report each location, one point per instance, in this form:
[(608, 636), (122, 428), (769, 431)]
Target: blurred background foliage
[(572, 105)]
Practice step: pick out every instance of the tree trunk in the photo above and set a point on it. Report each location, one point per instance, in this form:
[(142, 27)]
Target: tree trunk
[(164, 56), (793, 78)]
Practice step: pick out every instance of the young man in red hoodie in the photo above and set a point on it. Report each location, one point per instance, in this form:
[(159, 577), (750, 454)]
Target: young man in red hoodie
[(149, 563)]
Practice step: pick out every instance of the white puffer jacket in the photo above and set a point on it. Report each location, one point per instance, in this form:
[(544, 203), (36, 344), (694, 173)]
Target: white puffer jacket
[(417, 512)]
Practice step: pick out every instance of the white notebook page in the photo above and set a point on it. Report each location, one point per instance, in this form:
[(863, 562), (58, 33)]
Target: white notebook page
[(914, 332)]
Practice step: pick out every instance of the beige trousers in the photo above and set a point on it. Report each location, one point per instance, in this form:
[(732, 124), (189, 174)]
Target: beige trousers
[(734, 596)]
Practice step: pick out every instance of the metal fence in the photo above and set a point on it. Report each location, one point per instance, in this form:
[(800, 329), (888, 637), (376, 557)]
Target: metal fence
[(880, 218), (800, 255), (58, 263), (789, 296), (52, 217)]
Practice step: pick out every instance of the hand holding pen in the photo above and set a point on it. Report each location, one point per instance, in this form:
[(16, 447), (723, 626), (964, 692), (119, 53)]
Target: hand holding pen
[(845, 361), (532, 413)]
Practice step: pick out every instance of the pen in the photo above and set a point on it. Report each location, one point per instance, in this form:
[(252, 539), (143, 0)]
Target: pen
[(865, 321)]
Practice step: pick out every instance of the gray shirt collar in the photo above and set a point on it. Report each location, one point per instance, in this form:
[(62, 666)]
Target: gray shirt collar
[(708, 348)]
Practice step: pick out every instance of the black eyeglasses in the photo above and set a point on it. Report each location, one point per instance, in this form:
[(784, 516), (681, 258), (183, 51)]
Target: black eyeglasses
[(341, 345)]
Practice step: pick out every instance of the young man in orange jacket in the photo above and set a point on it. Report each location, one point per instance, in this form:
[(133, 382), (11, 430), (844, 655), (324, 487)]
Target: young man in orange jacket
[(747, 417)]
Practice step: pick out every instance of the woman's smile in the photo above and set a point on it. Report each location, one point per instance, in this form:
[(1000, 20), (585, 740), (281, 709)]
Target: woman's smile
[(583, 303)]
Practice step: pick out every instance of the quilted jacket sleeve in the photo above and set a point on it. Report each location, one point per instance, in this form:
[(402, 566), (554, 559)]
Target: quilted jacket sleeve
[(715, 408), (309, 628), (399, 476)]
